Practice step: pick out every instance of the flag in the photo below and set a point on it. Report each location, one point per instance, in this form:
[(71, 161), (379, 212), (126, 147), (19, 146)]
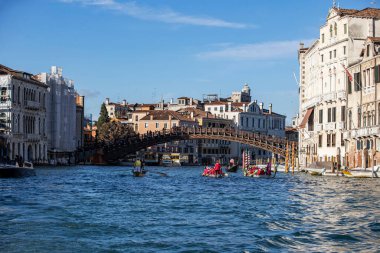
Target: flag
[(348, 73)]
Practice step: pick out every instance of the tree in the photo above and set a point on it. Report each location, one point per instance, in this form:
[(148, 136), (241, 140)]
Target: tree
[(103, 118), (113, 131)]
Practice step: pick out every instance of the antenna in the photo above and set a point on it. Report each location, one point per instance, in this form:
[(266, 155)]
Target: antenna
[(295, 78)]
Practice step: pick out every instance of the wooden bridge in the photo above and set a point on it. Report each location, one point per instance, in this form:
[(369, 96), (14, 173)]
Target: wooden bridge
[(112, 151)]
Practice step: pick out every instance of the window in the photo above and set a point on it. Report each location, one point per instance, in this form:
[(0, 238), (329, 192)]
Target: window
[(157, 125), (341, 140), (343, 114), (377, 74), (328, 140), (357, 81), (242, 121), (215, 109), (137, 118), (253, 122), (334, 53), (331, 31), (320, 116), (246, 122), (333, 114), (174, 124), (344, 50), (368, 50), (221, 109), (336, 29), (320, 139), (329, 115), (349, 85), (146, 125), (209, 109), (323, 38), (345, 28), (322, 57), (330, 55), (333, 139)]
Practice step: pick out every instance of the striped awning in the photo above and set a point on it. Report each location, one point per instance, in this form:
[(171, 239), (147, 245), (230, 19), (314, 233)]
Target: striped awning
[(306, 118)]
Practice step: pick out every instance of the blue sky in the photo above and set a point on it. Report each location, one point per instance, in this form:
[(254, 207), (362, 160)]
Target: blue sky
[(144, 50)]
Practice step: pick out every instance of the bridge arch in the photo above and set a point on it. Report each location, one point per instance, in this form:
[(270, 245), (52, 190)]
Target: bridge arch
[(121, 148)]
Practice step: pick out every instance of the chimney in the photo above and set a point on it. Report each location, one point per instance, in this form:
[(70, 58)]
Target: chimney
[(229, 106), (151, 116), (124, 103), (191, 101), (302, 45), (270, 108), (107, 101), (261, 105), (171, 101)]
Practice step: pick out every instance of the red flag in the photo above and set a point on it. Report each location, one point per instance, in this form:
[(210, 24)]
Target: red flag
[(348, 73)]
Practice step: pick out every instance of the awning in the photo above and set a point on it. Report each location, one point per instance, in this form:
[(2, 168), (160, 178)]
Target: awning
[(306, 118)]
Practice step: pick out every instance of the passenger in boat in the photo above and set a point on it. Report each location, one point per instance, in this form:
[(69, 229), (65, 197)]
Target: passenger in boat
[(137, 166), (218, 168)]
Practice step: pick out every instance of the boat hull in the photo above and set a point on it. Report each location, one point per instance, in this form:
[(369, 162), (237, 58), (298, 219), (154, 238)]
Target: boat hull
[(15, 172), (215, 175), (139, 173)]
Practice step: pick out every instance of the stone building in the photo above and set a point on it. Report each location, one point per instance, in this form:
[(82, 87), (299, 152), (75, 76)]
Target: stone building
[(363, 108), (323, 77), (23, 115), (61, 113)]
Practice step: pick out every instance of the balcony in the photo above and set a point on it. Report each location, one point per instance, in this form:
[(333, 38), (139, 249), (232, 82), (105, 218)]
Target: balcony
[(329, 97), (311, 102), (365, 132), (341, 95), (330, 126), (340, 125), (319, 127), (32, 105)]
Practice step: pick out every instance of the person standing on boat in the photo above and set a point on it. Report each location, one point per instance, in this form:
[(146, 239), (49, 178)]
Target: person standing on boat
[(218, 168), (137, 166)]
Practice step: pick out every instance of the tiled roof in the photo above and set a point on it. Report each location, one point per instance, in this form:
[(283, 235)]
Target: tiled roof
[(164, 115), (197, 112), (20, 75), (365, 13)]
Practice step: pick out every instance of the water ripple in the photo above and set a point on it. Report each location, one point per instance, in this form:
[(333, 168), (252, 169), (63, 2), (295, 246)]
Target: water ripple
[(105, 209)]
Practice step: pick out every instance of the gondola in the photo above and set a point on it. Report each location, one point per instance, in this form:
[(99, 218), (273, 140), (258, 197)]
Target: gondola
[(209, 172), (258, 172), (139, 173), (233, 168)]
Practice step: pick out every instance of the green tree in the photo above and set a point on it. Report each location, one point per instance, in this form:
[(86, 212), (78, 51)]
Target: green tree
[(112, 131), (103, 118)]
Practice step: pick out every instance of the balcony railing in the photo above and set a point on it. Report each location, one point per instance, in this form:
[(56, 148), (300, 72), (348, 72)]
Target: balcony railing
[(340, 125), (330, 126), (365, 132), (341, 95), (329, 97), (319, 127), (32, 105)]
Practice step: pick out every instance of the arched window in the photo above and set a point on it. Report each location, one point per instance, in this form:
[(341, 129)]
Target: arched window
[(331, 30), (18, 94), (336, 29)]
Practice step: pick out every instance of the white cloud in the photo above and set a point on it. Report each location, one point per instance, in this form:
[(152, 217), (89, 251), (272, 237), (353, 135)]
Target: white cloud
[(162, 15), (256, 51)]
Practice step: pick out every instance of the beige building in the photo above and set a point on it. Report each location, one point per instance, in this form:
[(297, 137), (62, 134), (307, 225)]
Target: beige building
[(363, 108), (23, 116), (323, 77)]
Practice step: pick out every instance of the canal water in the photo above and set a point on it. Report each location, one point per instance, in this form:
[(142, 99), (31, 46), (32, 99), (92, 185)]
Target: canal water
[(105, 209)]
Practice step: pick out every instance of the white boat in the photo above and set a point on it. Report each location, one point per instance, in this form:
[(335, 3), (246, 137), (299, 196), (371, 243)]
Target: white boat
[(373, 172), (10, 171)]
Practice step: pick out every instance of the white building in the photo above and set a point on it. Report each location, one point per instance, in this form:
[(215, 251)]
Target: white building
[(249, 116), (22, 115), (323, 81), (61, 116)]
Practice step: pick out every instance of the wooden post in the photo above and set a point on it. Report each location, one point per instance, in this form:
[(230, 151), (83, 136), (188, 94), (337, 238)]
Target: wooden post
[(287, 158), (293, 157)]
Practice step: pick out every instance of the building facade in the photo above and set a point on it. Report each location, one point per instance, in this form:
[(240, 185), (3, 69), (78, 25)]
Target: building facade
[(323, 94), (23, 116), (61, 111), (362, 133)]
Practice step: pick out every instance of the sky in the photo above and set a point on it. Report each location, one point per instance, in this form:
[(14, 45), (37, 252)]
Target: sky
[(148, 50)]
